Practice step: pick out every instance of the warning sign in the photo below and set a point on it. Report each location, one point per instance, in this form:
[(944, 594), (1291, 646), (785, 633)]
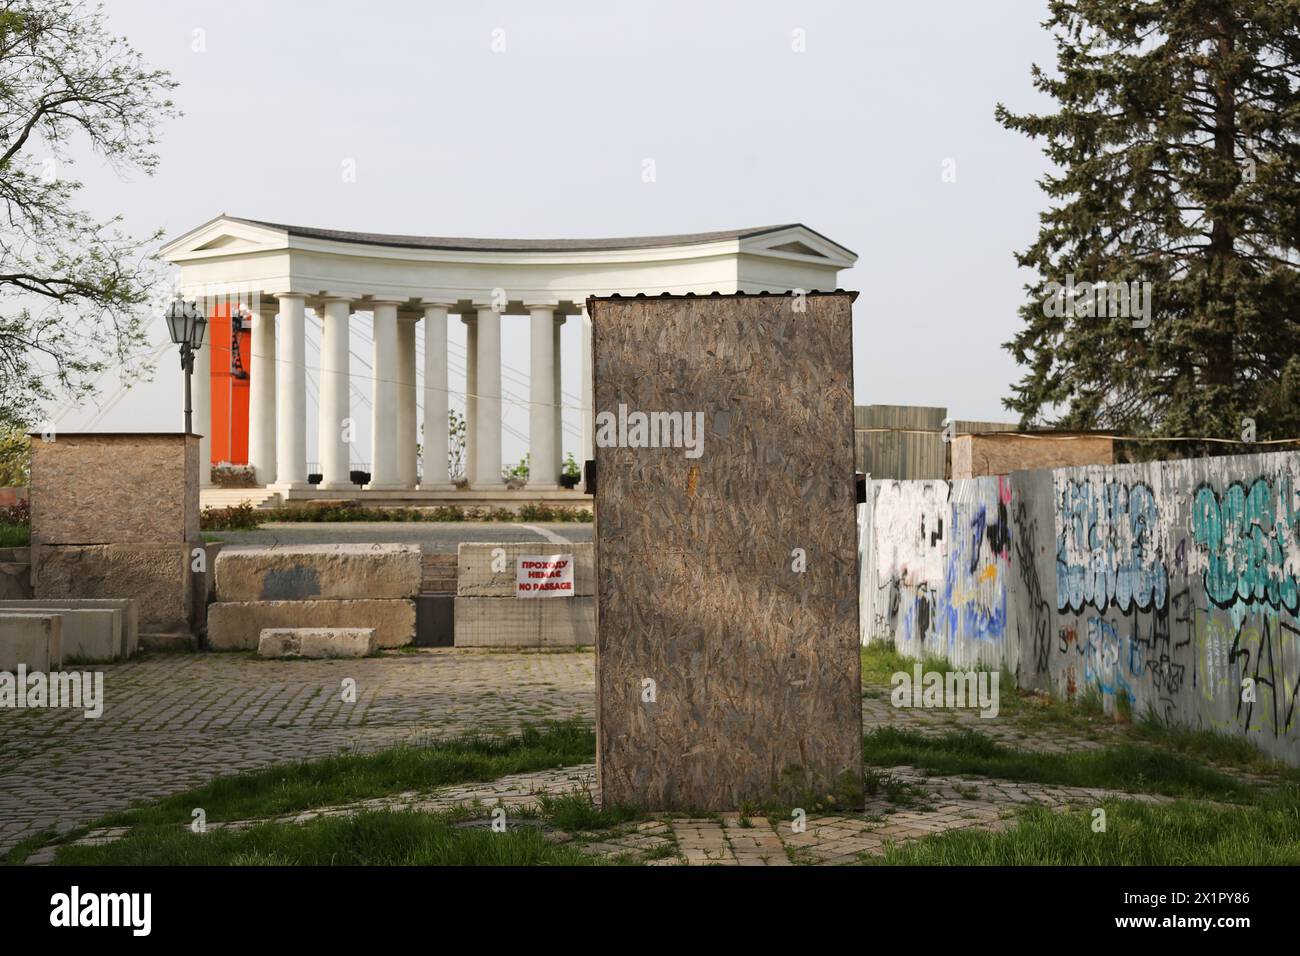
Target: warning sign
[(544, 576)]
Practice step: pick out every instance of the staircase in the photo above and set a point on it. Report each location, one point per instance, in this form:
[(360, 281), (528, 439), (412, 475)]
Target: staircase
[(230, 497), (439, 574)]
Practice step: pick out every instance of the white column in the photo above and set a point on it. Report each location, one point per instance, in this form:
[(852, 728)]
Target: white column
[(559, 398), (407, 467), (588, 393), (383, 404), (335, 401), (291, 426), (261, 395), (471, 392), (487, 378), (201, 402), (543, 469), (434, 446)]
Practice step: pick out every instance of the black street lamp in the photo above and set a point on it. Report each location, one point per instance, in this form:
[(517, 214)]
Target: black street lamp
[(186, 323)]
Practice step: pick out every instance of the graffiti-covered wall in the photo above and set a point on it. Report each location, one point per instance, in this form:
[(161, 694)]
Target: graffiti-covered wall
[(1167, 587)]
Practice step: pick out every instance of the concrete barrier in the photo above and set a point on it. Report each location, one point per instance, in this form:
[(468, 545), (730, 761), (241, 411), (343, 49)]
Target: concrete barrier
[(316, 642), (238, 625), (476, 577), (318, 572), (520, 622), (88, 634), (129, 632), (33, 640), (489, 614)]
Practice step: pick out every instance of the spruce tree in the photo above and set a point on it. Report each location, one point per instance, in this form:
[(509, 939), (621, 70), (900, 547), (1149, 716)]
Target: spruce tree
[(1176, 147)]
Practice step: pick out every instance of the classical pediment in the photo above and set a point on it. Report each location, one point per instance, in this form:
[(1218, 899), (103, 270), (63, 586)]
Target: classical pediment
[(223, 235)]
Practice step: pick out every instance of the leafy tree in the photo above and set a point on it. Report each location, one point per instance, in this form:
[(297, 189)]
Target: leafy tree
[(15, 456), (1177, 162), (71, 287)]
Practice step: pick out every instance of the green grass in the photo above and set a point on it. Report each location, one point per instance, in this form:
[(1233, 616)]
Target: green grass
[(374, 838), (14, 535), (1183, 833), (880, 662), (350, 777), (1229, 751), (1131, 767), (576, 813), (244, 517)]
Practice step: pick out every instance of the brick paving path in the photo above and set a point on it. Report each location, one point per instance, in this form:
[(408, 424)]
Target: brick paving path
[(172, 722), (934, 805)]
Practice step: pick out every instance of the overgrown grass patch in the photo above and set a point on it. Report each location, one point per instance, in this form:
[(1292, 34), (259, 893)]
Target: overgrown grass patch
[(880, 662), (1131, 767), (1182, 833), (373, 838), (350, 777), (577, 812)]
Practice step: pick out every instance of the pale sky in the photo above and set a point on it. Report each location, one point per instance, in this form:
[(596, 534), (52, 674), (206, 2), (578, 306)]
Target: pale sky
[(547, 139)]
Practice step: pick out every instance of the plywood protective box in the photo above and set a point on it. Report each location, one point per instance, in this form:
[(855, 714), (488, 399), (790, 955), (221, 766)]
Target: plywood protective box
[(727, 664)]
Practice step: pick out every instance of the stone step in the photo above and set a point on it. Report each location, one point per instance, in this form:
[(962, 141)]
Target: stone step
[(231, 497), (438, 573)]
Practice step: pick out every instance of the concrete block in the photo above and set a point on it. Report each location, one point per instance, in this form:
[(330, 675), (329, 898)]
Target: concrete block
[(475, 577), (33, 640), (89, 634), (129, 632), (157, 576), (519, 622), (316, 642), (318, 572), (235, 625)]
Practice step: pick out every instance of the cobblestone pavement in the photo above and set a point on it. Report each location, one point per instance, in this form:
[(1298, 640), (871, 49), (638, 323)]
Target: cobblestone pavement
[(931, 805), (172, 722)]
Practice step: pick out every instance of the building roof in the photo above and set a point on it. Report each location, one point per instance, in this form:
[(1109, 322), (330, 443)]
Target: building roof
[(467, 244)]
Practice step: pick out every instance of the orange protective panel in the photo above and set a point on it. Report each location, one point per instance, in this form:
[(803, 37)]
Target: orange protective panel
[(231, 357)]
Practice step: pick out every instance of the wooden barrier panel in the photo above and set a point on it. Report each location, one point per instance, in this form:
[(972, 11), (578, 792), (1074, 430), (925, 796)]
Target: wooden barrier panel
[(727, 662)]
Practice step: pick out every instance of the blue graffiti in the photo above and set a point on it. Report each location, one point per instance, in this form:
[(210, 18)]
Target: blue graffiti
[(1101, 659), (976, 608), (1107, 551)]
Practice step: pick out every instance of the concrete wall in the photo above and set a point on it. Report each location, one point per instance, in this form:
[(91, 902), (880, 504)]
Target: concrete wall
[(1164, 584)]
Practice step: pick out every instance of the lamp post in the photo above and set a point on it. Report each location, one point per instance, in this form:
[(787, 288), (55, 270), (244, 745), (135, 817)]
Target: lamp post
[(186, 324)]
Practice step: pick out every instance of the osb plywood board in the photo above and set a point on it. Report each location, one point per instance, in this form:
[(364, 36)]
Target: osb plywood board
[(724, 674), (115, 488)]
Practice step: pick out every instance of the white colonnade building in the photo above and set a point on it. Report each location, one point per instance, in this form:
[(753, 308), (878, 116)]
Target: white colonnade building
[(415, 286)]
